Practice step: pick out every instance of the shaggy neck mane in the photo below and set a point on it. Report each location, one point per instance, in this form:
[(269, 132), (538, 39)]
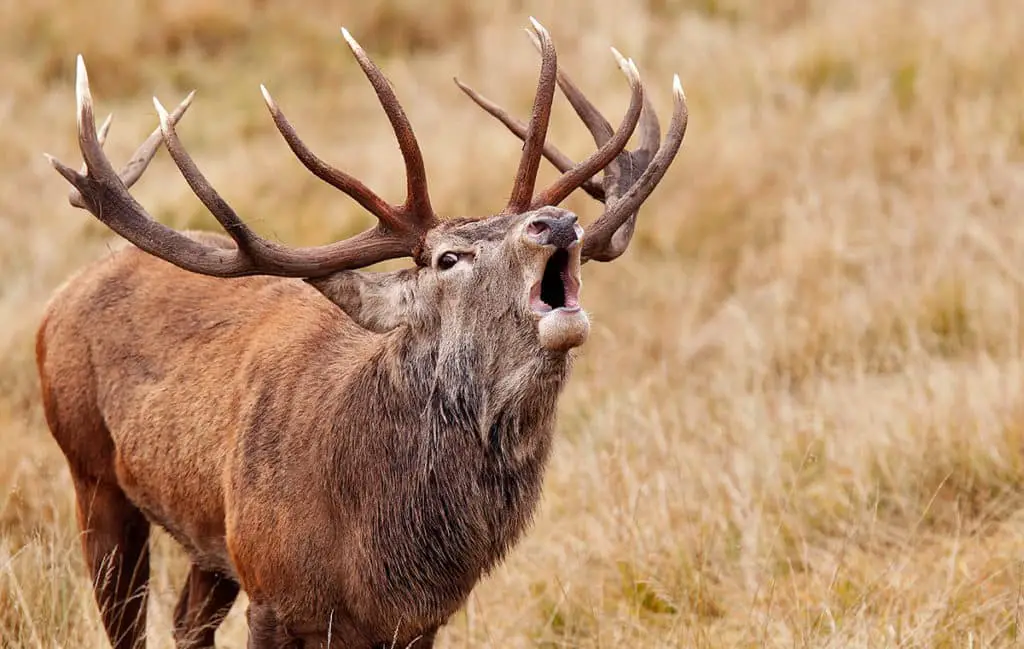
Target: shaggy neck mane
[(470, 441), (468, 392)]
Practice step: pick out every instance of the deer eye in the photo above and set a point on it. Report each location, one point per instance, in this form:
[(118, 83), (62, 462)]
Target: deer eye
[(447, 260)]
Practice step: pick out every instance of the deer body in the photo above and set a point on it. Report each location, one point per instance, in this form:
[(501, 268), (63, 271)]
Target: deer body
[(404, 469), (355, 450)]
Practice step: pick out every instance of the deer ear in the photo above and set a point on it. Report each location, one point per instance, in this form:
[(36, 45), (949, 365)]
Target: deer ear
[(376, 301)]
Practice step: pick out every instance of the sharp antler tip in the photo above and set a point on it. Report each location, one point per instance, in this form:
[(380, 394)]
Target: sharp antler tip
[(82, 81), (352, 43), (677, 87), (59, 166), (540, 28), (464, 88), (533, 38), (162, 112), (622, 61)]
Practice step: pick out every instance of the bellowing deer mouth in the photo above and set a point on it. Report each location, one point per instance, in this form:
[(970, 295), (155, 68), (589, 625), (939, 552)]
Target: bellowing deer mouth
[(558, 289)]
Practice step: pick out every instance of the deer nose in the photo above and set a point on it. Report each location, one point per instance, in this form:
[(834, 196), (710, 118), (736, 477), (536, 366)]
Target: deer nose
[(559, 231)]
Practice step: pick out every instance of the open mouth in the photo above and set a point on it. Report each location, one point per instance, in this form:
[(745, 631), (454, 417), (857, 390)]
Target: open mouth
[(557, 289)]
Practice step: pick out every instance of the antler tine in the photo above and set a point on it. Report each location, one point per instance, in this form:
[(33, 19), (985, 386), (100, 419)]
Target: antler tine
[(533, 145), (74, 196), (606, 152), (600, 243), (139, 161), (143, 155), (105, 195), (600, 129), (337, 178), (588, 113), (417, 197), (561, 161), (610, 147), (650, 129), (201, 187), (102, 135), (417, 208)]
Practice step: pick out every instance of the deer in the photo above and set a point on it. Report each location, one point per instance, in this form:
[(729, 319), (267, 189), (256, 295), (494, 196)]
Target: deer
[(353, 449)]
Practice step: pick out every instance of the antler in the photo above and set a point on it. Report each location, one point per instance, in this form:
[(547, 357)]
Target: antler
[(105, 194), (628, 179), (139, 161), (416, 208), (533, 135)]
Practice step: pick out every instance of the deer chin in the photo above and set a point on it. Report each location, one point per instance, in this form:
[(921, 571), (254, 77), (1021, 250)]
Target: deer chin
[(562, 330), (562, 324)]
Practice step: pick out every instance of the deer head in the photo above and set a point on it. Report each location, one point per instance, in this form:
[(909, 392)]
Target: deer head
[(517, 272)]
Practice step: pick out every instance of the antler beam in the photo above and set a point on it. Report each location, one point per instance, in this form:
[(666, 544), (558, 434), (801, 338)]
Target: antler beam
[(104, 193)]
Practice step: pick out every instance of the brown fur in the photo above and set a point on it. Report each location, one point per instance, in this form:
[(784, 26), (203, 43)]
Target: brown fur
[(354, 463), (361, 478)]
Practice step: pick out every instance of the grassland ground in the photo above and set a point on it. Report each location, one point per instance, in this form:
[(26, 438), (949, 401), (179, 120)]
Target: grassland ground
[(799, 420)]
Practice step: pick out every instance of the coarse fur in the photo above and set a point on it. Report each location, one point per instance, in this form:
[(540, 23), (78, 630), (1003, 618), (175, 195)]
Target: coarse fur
[(365, 479)]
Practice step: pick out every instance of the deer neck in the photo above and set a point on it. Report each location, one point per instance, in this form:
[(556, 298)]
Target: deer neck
[(502, 395), (458, 432)]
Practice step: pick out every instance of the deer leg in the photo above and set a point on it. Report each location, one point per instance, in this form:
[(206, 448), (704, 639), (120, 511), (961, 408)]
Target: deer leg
[(115, 540), (266, 631), (205, 600)]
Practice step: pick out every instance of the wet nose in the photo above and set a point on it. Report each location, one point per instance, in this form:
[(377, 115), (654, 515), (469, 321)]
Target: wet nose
[(559, 231)]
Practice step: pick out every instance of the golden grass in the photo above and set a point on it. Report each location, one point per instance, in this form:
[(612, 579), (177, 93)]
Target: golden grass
[(799, 420)]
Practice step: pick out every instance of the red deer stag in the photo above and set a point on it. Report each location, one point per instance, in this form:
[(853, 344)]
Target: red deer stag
[(355, 450)]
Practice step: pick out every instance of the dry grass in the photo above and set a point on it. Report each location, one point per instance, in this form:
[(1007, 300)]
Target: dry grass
[(799, 420)]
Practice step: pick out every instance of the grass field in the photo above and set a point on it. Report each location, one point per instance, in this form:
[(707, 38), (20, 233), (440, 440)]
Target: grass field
[(799, 419)]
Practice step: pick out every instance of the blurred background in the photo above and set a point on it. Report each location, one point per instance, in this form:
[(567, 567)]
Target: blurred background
[(798, 419)]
